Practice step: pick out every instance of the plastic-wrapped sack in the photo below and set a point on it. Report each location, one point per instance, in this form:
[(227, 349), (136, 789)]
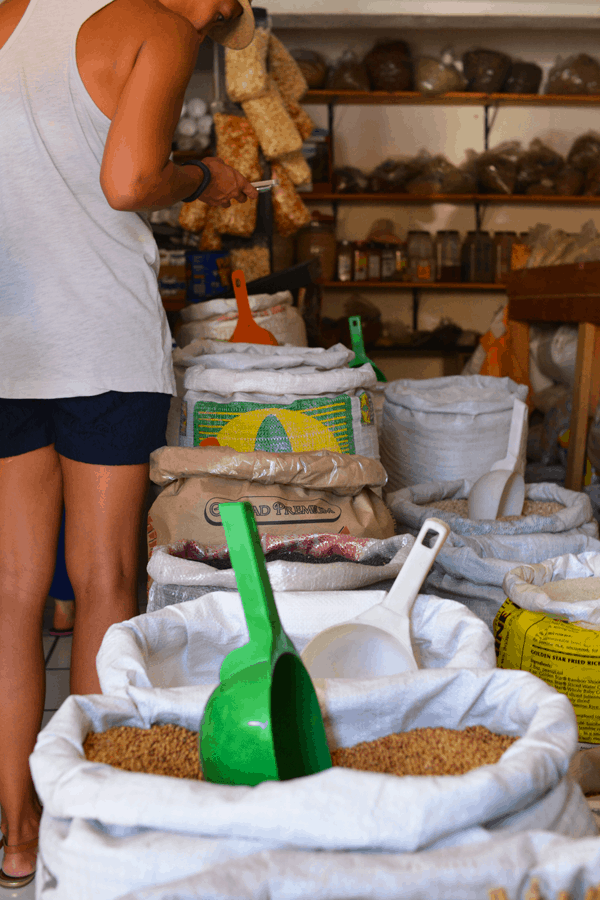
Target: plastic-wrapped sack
[(585, 152), (575, 75), (187, 570), (439, 176), (536, 164), (313, 67), (550, 626), (217, 319), (303, 409), (105, 831), (526, 865), (392, 175), (441, 429), (350, 180), (200, 633), (292, 493), (496, 169), (486, 70), (389, 66), (348, 74)]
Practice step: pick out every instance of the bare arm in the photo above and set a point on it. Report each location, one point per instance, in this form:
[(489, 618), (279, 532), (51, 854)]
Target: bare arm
[(136, 171)]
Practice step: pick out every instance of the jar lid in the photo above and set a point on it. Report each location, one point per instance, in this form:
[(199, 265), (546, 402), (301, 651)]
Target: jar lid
[(448, 232)]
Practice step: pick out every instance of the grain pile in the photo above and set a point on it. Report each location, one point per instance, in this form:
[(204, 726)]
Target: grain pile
[(530, 508), (173, 750)]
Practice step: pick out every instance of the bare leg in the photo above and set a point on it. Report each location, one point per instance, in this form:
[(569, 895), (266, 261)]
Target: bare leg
[(104, 507), (30, 510)]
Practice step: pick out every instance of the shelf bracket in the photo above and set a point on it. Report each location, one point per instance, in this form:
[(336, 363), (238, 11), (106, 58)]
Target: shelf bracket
[(416, 296), (478, 217)]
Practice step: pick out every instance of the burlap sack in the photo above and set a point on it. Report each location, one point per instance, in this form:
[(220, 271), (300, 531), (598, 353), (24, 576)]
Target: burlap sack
[(292, 493)]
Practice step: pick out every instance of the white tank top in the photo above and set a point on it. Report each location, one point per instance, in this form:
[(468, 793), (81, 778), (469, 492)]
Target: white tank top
[(80, 309)]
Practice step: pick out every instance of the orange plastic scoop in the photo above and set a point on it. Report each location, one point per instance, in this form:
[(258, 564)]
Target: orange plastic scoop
[(246, 330)]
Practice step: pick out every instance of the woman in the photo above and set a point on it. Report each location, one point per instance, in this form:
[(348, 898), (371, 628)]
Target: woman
[(91, 95)]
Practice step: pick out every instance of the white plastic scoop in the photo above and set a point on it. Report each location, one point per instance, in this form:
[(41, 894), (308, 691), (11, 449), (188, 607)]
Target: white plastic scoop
[(377, 642), (501, 491)]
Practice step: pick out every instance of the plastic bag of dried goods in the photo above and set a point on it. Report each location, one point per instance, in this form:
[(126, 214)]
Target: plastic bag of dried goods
[(300, 118), (523, 78), (285, 71), (313, 67), (192, 216), (246, 70), (237, 145), (575, 75), (106, 831), (389, 66), (585, 152), (536, 164), (296, 168), (570, 182), (438, 76), (486, 70), (289, 212), (392, 174), (350, 180), (439, 176), (210, 239), (200, 633), (348, 74), (496, 169)]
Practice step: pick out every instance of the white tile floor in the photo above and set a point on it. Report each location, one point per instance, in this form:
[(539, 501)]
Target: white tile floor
[(57, 653)]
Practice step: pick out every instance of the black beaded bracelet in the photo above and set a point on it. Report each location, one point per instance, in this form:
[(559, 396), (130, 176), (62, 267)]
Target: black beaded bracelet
[(205, 181)]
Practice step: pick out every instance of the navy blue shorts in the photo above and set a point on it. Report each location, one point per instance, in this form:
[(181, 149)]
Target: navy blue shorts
[(110, 429)]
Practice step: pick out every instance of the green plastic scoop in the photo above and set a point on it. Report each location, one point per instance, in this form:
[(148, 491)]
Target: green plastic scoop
[(360, 354), (263, 722)]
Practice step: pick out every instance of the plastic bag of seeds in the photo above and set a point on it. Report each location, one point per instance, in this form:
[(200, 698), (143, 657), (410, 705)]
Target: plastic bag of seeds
[(289, 211), (348, 74), (246, 70), (486, 70), (272, 124), (237, 145), (106, 831), (497, 169), (296, 167), (523, 78), (313, 67), (575, 75), (201, 632), (285, 71)]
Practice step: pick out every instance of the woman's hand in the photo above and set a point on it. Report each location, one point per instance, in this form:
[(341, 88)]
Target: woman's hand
[(226, 184)]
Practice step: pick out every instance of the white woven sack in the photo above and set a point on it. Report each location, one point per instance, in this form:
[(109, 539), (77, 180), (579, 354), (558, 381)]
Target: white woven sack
[(210, 309), (442, 429), (525, 587), (374, 561), (106, 831), (224, 355), (200, 633), (503, 865), (348, 387), (472, 568), (284, 322), (412, 505)]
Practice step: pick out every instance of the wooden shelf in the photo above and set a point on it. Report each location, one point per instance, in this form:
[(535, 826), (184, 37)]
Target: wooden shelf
[(451, 198), (421, 285), (415, 98)]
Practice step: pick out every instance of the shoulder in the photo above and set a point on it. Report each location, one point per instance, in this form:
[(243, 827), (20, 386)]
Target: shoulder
[(156, 26)]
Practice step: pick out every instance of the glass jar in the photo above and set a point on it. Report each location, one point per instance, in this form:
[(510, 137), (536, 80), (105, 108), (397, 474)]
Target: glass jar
[(374, 262), (360, 260), (482, 258), (388, 262), (447, 248), (421, 258), (318, 239), (521, 251), (504, 241), (344, 261)]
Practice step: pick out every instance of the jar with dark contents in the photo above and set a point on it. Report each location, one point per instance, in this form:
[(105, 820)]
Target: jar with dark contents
[(360, 260), (374, 262), (318, 239), (481, 258), (344, 261), (448, 256), (421, 260), (504, 241)]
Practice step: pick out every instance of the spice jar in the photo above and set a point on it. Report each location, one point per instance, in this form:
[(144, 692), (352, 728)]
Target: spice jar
[(318, 239), (393, 262), (421, 259), (479, 258), (374, 262), (344, 261), (360, 260), (504, 241), (448, 256)]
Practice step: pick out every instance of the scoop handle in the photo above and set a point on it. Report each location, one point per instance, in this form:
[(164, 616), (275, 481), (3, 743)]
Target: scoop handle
[(518, 421), (413, 573), (241, 295), (254, 586), (356, 336)]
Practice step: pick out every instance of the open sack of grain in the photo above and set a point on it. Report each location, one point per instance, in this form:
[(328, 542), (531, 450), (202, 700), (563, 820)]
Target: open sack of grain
[(187, 570), (550, 626), (441, 429), (217, 319), (214, 354), (477, 555), (185, 645), (532, 865), (302, 408), (291, 493), (106, 831)]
